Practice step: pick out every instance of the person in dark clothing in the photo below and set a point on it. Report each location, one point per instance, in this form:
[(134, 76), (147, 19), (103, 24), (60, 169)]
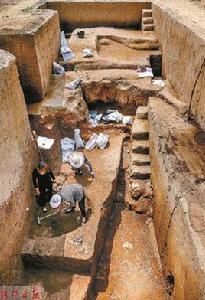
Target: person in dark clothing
[(43, 182)]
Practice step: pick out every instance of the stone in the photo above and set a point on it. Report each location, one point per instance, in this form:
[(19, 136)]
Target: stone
[(127, 245)]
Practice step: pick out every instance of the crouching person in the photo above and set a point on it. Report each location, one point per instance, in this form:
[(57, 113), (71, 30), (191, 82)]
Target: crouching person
[(77, 160), (72, 194)]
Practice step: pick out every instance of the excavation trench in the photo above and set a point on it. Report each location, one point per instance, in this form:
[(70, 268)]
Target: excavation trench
[(64, 259), (109, 237), (120, 197), (144, 238), (115, 254)]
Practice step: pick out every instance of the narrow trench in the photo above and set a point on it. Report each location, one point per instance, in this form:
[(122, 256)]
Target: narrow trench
[(103, 268)]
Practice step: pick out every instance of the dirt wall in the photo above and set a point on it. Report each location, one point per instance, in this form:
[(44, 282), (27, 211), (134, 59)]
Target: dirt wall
[(180, 29), (17, 159), (178, 184), (89, 14), (30, 43), (47, 44)]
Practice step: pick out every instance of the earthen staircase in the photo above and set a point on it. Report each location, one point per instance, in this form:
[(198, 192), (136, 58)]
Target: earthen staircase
[(140, 161), (140, 169), (147, 20)]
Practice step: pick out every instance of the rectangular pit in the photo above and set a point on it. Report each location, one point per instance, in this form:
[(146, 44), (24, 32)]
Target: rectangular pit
[(61, 252)]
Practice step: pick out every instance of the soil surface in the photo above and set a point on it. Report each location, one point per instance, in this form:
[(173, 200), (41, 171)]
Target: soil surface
[(129, 267)]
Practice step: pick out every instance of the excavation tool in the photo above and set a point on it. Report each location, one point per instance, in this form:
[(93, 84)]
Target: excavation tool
[(36, 142), (39, 219)]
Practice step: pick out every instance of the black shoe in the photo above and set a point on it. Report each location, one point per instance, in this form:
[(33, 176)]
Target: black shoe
[(69, 210)]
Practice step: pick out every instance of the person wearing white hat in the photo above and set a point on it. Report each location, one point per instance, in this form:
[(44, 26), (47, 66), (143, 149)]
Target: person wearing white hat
[(55, 201), (77, 160), (71, 194)]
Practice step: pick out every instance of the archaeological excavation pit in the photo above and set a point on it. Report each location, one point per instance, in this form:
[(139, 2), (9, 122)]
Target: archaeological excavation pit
[(131, 73)]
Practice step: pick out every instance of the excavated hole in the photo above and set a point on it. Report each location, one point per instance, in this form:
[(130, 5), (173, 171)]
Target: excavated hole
[(102, 107), (62, 224)]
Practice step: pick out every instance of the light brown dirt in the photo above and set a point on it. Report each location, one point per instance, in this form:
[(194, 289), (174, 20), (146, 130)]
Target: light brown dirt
[(109, 13), (34, 33), (177, 159), (17, 159), (61, 251), (180, 28), (134, 48), (134, 266)]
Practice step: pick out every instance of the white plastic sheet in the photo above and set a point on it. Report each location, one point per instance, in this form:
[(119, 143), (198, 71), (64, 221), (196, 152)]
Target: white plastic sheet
[(145, 72), (67, 147), (159, 82), (127, 120), (44, 142), (87, 52), (115, 116), (66, 52), (58, 69), (79, 143), (102, 140), (94, 118), (73, 85), (91, 144)]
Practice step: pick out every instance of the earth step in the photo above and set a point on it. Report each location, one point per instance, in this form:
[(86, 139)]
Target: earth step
[(148, 27), (140, 129), (141, 147), (146, 13), (139, 159), (142, 112), (140, 188), (140, 172), (148, 20)]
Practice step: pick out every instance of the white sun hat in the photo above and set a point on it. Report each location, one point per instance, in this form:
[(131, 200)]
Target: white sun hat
[(55, 201), (76, 159)]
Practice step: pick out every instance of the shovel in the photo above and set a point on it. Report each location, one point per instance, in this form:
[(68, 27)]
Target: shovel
[(39, 219)]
